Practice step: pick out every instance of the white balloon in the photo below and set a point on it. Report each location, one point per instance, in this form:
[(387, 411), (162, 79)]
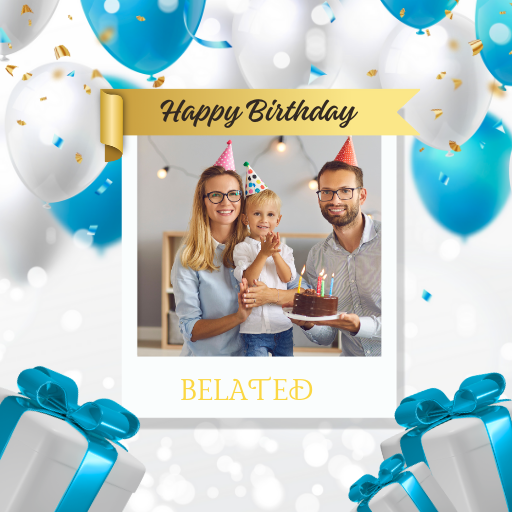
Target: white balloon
[(16, 25), (410, 61), (44, 150), (362, 28), (277, 41)]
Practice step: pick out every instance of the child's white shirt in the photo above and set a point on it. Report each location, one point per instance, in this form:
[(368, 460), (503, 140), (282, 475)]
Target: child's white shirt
[(268, 318)]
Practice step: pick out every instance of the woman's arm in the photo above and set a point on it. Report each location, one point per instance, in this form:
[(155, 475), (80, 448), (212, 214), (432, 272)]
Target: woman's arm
[(260, 294), (213, 327)]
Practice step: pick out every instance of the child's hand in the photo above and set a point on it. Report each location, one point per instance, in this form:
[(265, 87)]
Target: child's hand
[(269, 244)]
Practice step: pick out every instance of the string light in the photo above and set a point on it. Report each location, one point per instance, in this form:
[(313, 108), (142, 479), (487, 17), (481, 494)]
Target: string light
[(313, 184), (162, 173), (281, 146)]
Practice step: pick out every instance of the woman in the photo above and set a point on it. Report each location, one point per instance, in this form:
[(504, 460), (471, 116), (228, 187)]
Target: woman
[(207, 303)]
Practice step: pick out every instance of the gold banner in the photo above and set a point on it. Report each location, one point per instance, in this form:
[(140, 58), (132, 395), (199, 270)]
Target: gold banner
[(250, 112)]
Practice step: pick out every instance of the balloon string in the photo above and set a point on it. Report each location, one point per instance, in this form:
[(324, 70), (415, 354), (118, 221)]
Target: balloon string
[(202, 42)]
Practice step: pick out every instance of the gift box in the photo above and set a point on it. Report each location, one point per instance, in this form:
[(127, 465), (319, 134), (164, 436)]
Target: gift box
[(400, 490), (467, 442), (58, 457)]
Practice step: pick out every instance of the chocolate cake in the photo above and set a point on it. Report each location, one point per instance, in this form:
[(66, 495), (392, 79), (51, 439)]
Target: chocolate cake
[(308, 303)]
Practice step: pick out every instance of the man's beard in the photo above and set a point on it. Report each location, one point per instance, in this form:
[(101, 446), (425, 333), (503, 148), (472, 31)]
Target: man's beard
[(339, 221)]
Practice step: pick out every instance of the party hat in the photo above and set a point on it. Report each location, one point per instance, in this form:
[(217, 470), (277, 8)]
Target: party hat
[(347, 153), (226, 160), (253, 183)]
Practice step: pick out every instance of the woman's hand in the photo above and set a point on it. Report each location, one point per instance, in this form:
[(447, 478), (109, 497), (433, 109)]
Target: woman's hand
[(269, 244), (243, 310), (258, 295)]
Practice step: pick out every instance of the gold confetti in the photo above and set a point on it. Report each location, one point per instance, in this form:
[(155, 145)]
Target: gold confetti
[(78, 158), (70, 17), (438, 112), (453, 44), (21, 123), (25, 9), (496, 90), (510, 53), (503, 12), (140, 18), (457, 83), (29, 23), (26, 76), (44, 98), (107, 35), (87, 89), (454, 146), (159, 82), (10, 69), (57, 74), (61, 51), (9, 45), (372, 72), (402, 13), (441, 75), (449, 14), (422, 149), (428, 32), (96, 74), (476, 46)]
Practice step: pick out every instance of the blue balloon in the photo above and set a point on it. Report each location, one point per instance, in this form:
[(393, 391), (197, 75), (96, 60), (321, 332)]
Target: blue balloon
[(149, 45), (467, 191), (91, 209), (495, 32), (419, 14)]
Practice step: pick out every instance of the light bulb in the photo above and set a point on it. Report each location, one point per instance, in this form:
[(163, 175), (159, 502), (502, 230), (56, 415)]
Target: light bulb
[(281, 147), (162, 173), (313, 185)]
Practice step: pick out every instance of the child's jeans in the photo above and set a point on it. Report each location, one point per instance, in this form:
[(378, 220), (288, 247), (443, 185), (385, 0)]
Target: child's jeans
[(279, 344)]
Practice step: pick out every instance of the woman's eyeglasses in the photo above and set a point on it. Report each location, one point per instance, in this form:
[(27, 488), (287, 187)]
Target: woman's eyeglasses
[(217, 197)]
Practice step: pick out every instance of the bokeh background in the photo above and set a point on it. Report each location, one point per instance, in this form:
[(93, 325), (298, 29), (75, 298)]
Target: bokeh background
[(60, 288)]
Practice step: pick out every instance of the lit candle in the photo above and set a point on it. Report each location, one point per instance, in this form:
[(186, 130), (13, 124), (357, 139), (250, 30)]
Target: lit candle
[(318, 284), (301, 274), (323, 285), (332, 281)]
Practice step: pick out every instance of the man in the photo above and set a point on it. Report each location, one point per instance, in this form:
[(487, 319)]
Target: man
[(352, 252)]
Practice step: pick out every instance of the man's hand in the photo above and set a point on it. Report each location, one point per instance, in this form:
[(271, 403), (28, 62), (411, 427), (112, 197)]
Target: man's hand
[(346, 321)]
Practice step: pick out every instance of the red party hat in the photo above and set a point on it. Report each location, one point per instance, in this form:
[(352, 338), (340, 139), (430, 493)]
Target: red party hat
[(347, 153), (226, 160)]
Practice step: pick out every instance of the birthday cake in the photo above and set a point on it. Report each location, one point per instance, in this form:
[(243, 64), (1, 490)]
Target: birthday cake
[(309, 303)]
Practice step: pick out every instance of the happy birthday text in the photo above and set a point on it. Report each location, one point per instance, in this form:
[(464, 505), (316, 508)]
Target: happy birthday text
[(257, 110)]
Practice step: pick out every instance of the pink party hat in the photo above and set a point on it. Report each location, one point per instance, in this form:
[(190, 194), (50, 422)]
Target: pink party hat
[(226, 160), (253, 183), (347, 153)]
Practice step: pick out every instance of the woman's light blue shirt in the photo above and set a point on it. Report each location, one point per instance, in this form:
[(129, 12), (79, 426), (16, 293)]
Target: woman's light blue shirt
[(204, 295)]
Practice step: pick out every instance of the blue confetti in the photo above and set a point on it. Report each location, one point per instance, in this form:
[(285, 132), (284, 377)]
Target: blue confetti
[(499, 126), (328, 10), (92, 230), (482, 145), (315, 73), (426, 296), (57, 141), (4, 38), (443, 178), (103, 187), (71, 74)]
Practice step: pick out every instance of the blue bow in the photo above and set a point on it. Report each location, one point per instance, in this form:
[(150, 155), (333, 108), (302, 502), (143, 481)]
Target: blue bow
[(51, 393), (391, 471), (424, 411), (431, 406), (59, 394)]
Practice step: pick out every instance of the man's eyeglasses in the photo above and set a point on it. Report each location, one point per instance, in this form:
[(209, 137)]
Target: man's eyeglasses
[(344, 194), (217, 197)]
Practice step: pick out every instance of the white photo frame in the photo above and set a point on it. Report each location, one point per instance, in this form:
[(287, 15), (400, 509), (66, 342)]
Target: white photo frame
[(343, 387)]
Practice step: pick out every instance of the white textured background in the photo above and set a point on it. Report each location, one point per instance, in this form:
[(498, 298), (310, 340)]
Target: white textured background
[(302, 466)]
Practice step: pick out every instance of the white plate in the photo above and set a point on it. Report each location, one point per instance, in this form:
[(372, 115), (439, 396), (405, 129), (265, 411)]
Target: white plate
[(289, 314)]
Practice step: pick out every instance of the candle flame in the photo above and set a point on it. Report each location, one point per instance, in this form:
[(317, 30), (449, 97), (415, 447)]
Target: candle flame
[(324, 276), (303, 270), (322, 273), (332, 275)]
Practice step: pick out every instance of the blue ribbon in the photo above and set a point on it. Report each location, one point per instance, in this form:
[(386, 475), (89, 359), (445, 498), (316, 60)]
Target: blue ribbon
[(51, 393), (424, 411), (202, 42), (391, 472)]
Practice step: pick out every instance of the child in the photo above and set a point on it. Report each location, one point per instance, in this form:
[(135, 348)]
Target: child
[(262, 256)]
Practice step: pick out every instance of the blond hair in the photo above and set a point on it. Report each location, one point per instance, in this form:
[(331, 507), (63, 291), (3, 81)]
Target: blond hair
[(198, 248), (264, 197)]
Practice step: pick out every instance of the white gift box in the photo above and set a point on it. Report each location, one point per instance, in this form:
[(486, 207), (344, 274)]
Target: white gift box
[(41, 459), (394, 498), (461, 459)]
